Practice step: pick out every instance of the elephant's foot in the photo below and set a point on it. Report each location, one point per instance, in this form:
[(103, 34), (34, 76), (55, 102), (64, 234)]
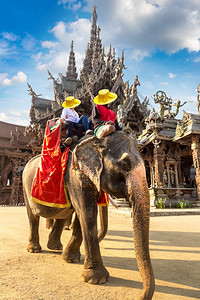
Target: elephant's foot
[(34, 247), (98, 275), (71, 256), (54, 245)]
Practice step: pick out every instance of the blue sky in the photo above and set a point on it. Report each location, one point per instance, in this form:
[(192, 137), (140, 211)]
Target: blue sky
[(161, 40)]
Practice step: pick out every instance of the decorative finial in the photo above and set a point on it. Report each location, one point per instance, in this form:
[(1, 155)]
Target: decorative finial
[(72, 45)]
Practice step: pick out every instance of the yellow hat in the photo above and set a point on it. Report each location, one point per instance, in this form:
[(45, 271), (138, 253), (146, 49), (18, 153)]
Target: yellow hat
[(71, 102), (104, 97)]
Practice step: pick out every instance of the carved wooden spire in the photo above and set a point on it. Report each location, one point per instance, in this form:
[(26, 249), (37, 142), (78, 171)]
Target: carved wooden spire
[(71, 68), (93, 46), (93, 32)]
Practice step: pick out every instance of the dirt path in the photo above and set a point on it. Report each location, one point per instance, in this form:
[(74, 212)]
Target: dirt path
[(175, 253)]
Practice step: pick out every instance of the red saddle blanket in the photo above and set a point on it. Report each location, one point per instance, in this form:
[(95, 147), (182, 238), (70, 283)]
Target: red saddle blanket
[(48, 185)]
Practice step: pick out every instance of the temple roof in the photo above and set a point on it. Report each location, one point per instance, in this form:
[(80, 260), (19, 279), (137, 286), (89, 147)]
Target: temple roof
[(12, 136)]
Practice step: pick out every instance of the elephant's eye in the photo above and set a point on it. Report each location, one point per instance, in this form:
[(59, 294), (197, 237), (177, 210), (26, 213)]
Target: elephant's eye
[(125, 164)]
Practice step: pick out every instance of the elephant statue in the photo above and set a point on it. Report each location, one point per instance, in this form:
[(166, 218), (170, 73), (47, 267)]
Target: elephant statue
[(114, 165)]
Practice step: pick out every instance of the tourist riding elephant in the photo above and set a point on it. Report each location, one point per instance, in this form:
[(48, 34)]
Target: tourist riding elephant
[(114, 165)]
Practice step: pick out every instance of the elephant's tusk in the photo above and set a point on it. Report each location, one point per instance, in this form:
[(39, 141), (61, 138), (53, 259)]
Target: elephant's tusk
[(112, 201)]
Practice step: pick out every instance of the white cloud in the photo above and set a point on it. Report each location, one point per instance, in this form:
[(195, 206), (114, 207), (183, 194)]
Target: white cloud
[(29, 42), (137, 54), (19, 78), (49, 44), (171, 75), (139, 27), (37, 56), (196, 59), (56, 59), (70, 4), (5, 49), (150, 25), (4, 117), (19, 118), (9, 36), (164, 83)]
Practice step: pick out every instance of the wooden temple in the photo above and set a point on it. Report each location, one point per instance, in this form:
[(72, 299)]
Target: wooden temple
[(170, 147)]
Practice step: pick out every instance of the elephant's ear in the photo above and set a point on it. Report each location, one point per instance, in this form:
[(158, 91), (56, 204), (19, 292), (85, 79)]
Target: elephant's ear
[(88, 158)]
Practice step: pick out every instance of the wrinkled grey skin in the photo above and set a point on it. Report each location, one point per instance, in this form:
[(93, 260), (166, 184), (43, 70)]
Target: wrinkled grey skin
[(115, 165), (103, 213)]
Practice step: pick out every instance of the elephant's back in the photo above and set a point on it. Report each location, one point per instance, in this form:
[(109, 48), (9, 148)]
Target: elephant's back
[(29, 172)]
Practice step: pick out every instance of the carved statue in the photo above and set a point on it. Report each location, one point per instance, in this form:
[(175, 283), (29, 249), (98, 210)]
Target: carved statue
[(121, 115), (126, 90), (179, 129), (12, 140), (165, 179), (135, 84), (119, 66), (198, 99), (37, 113), (17, 134), (109, 56), (178, 105), (164, 102), (31, 92), (172, 176), (153, 117), (52, 78)]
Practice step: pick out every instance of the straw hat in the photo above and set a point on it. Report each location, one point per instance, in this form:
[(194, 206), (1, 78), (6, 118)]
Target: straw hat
[(71, 102), (104, 97)]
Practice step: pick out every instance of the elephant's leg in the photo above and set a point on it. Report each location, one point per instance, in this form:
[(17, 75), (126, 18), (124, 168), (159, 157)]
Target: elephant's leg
[(54, 242), (34, 245), (49, 223), (94, 271), (72, 254), (141, 212), (103, 214), (68, 222)]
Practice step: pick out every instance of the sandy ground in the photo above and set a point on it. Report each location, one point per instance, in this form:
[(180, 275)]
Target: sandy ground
[(175, 253)]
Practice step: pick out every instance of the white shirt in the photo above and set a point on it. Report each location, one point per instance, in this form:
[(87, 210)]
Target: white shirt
[(70, 115)]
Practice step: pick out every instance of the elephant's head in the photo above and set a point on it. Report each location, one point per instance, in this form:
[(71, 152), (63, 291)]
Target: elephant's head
[(115, 165), (110, 163)]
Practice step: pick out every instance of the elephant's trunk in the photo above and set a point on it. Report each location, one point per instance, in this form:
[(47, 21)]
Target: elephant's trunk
[(139, 196), (103, 213)]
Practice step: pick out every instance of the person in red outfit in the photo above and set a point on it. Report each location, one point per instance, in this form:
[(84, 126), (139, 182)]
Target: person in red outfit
[(102, 115)]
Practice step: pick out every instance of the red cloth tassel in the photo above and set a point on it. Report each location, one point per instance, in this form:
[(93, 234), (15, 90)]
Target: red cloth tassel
[(103, 200)]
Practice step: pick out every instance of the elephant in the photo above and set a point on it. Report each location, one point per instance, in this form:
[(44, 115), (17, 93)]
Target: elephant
[(113, 164)]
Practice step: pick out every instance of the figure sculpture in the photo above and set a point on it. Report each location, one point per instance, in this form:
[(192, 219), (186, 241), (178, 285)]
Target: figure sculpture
[(135, 84), (198, 99), (119, 67), (165, 179), (178, 105), (164, 102), (121, 115), (31, 92), (172, 176)]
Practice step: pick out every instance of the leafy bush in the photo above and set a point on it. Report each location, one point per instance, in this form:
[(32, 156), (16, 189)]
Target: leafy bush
[(160, 203), (183, 204)]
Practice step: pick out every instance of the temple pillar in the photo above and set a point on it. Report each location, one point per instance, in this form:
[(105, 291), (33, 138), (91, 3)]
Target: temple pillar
[(157, 153), (195, 146), (179, 171), (168, 176), (176, 174)]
